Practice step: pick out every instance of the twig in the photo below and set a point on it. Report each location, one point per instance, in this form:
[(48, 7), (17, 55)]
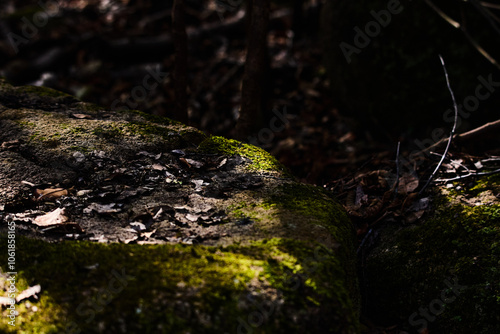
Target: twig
[(490, 5), (397, 171), (480, 8), (469, 175), (442, 14), (490, 13), (367, 235), (470, 135), (457, 25), (452, 130)]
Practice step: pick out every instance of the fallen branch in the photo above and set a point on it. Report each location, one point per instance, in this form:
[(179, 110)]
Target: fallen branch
[(473, 134)]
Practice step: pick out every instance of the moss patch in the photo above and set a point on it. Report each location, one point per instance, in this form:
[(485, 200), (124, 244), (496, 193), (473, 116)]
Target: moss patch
[(43, 91), (412, 269), (90, 288), (261, 160)]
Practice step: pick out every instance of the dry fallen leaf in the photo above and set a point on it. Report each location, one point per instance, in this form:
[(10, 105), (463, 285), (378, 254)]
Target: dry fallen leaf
[(102, 208), (28, 293), (51, 193), (82, 116), (158, 167), (4, 301), (148, 235), (192, 217), (52, 218), (194, 163), (408, 183)]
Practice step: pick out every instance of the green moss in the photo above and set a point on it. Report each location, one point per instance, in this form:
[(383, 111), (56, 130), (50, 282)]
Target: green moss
[(309, 201), (153, 118), (77, 130), (108, 132), (491, 182), (43, 91), (313, 204), (81, 149), (457, 242), (26, 124), (180, 288), (91, 107), (148, 129), (261, 211), (261, 160)]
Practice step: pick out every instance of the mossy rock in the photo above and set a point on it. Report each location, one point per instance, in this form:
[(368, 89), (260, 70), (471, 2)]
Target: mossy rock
[(391, 80), (164, 229), (442, 273)]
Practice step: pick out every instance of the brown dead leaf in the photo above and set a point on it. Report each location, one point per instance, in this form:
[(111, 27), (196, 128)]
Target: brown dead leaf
[(407, 184), (82, 116), (52, 218), (51, 193), (158, 167)]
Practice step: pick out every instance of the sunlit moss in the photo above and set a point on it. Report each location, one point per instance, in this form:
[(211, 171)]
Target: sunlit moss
[(179, 288), (261, 160)]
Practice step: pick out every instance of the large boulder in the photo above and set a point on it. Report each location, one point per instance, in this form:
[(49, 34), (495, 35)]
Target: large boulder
[(128, 223)]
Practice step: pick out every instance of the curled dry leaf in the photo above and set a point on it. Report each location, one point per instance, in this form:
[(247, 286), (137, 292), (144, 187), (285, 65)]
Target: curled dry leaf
[(50, 193), (58, 216)]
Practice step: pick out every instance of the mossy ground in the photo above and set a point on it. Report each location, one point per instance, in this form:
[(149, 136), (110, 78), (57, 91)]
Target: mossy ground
[(457, 243), (43, 91), (179, 288)]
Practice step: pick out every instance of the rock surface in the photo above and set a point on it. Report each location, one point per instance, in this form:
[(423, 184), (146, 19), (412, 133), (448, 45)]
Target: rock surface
[(133, 223)]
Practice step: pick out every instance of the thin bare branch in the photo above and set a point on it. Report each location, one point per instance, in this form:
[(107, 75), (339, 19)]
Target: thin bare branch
[(486, 15), (482, 130), (460, 177), (443, 14), (489, 5), (452, 130), (471, 40), (397, 171)]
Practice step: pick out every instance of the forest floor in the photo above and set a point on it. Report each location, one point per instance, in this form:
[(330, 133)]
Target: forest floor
[(88, 51)]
